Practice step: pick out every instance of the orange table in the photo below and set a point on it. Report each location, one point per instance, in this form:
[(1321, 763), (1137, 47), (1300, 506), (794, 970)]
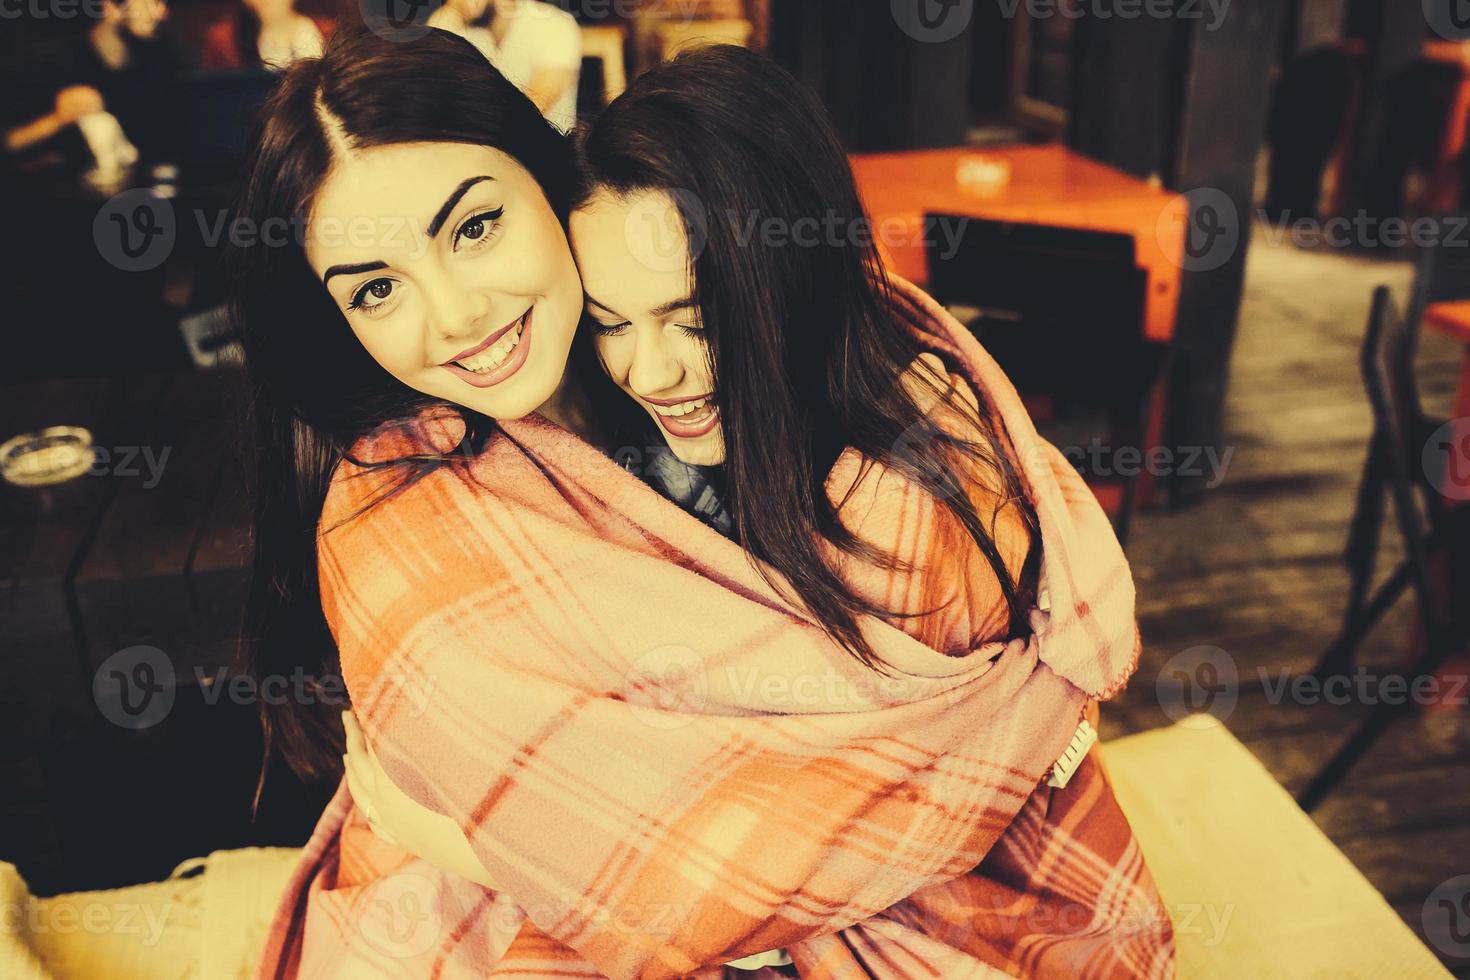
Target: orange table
[(1048, 185)]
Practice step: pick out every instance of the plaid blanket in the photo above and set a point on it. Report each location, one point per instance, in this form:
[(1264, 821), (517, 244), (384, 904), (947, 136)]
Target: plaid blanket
[(666, 766)]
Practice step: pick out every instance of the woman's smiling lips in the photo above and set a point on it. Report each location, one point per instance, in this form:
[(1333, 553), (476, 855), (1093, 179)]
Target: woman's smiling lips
[(486, 342), (512, 358), (691, 425)]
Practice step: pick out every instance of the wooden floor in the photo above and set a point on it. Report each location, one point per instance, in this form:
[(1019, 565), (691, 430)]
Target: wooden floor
[(1254, 568)]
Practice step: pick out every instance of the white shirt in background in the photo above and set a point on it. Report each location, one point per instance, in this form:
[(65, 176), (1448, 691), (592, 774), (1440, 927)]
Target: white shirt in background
[(306, 42), (539, 36)]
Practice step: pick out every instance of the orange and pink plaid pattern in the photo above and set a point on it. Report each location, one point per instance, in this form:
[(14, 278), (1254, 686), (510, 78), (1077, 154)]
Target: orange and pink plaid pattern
[(669, 767)]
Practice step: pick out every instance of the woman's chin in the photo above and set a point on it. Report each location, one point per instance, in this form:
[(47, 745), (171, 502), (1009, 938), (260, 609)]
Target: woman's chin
[(708, 451), (516, 401), (513, 399)]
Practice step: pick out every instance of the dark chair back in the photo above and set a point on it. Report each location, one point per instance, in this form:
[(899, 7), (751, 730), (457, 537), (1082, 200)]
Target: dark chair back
[(1387, 363), (1400, 431), (1394, 469)]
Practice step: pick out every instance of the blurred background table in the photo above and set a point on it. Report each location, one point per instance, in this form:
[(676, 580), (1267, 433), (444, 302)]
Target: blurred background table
[(149, 548), (1058, 255), (1047, 185)]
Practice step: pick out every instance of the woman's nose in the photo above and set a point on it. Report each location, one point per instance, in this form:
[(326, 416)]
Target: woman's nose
[(455, 312), (655, 368)]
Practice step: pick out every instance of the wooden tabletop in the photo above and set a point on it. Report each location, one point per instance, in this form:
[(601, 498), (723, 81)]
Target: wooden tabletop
[(1049, 185)]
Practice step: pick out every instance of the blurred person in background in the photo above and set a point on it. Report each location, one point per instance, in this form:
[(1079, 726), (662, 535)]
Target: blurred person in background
[(538, 46), (122, 65), (263, 34)]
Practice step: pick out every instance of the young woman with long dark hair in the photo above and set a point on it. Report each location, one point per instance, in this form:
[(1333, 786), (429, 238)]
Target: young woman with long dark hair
[(871, 467), (773, 352), (436, 195)]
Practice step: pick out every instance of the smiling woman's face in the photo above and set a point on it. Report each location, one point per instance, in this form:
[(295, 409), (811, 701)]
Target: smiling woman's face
[(649, 336), (452, 270)]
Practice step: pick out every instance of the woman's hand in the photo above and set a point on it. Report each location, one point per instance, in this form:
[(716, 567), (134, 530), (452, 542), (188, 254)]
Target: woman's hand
[(400, 821)]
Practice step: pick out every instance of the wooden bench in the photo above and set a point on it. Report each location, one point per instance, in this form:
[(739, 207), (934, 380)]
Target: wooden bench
[(1255, 889)]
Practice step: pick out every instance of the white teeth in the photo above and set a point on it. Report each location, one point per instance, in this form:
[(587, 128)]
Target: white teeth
[(681, 409), (494, 356)]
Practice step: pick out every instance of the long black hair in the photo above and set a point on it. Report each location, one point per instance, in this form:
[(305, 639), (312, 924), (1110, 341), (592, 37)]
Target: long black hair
[(369, 91), (806, 354)]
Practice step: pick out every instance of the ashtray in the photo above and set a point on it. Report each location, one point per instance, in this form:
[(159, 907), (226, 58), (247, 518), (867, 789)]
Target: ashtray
[(46, 458), (977, 172)]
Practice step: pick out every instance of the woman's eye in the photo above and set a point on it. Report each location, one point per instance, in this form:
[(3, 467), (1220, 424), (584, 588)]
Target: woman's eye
[(608, 329), (372, 295), (691, 331), (478, 227)]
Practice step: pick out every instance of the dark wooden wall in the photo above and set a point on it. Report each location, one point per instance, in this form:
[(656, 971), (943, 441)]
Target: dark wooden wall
[(885, 89), (1177, 99)]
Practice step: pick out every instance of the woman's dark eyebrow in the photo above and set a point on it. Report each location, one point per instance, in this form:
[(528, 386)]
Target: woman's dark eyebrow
[(663, 309), (348, 270), (667, 308), (437, 222)]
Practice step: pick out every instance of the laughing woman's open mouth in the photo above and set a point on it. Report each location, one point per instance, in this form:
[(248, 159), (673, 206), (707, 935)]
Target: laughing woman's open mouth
[(685, 418)]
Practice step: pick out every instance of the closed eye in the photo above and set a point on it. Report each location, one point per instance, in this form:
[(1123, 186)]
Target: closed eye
[(609, 329)]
